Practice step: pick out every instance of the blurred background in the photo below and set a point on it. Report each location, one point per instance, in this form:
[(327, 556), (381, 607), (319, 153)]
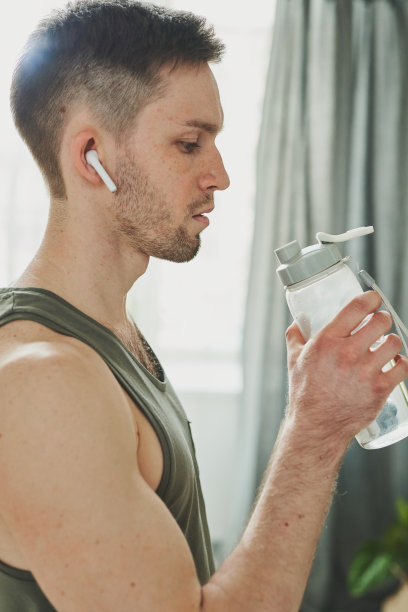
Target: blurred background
[(315, 95)]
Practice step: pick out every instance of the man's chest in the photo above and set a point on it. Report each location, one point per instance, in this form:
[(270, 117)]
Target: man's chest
[(139, 347)]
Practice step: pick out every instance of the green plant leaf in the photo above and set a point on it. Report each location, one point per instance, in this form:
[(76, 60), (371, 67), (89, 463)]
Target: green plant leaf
[(395, 543), (369, 569), (402, 511), (383, 559)]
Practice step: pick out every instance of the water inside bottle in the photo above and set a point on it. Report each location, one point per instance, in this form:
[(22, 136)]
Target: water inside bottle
[(391, 425)]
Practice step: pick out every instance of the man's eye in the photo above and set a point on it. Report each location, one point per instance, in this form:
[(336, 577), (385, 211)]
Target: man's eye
[(188, 147)]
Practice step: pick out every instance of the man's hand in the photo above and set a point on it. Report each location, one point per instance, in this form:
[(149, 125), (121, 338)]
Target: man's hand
[(337, 386)]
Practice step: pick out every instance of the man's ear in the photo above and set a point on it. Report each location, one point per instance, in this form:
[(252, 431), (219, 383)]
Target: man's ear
[(83, 142)]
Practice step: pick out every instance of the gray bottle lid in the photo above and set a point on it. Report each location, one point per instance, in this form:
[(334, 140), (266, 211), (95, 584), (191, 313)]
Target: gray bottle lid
[(299, 264)]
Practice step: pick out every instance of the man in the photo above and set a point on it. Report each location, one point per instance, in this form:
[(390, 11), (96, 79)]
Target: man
[(100, 504)]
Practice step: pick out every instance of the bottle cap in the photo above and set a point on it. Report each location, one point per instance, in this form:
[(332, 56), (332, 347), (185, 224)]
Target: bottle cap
[(299, 264)]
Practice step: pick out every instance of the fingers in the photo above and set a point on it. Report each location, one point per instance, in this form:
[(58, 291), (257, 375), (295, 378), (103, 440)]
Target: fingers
[(398, 373), (371, 331), (386, 351), (352, 315)]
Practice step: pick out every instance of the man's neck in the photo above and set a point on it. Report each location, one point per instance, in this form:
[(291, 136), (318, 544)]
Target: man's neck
[(88, 268)]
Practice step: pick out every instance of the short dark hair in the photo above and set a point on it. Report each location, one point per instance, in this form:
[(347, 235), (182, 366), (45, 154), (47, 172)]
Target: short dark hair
[(106, 53)]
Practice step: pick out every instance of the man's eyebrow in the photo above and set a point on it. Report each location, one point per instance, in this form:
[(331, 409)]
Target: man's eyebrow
[(211, 128)]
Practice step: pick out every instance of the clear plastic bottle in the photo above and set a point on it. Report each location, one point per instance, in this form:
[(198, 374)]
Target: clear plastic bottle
[(318, 285)]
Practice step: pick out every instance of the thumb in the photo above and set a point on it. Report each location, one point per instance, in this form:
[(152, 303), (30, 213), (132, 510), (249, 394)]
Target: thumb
[(294, 341)]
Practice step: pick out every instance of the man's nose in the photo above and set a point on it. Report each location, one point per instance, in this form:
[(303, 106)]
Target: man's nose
[(216, 177)]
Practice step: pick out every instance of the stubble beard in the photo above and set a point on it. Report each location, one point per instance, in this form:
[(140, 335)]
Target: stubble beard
[(144, 217)]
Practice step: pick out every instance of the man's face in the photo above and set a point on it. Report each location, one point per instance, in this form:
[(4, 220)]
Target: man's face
[(170, 168)]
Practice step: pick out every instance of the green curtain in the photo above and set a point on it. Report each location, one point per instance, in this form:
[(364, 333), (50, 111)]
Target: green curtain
[(332, 155)]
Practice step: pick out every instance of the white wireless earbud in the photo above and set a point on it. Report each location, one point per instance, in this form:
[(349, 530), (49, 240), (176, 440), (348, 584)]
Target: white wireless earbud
[(93, 160)]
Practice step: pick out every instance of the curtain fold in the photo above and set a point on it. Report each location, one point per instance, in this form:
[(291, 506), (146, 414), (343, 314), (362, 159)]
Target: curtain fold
[(332, 155)]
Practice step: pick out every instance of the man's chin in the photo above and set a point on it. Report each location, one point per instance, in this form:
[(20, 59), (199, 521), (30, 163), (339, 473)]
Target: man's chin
[(184, 253)]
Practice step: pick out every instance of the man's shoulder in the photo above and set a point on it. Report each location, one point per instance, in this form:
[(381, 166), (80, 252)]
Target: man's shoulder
[(28, 345), (37, 362), (55, 389)]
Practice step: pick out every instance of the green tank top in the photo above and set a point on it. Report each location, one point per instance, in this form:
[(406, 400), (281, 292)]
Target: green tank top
[(179, 487)]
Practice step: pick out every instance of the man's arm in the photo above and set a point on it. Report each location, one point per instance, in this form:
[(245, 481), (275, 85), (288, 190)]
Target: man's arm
[(98, 538), (93, 533), (336, 388)]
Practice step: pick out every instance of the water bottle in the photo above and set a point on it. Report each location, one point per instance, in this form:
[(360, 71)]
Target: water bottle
[(319, 283)]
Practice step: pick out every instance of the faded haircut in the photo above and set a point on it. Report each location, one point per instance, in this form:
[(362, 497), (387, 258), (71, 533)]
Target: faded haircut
[(103, 53)]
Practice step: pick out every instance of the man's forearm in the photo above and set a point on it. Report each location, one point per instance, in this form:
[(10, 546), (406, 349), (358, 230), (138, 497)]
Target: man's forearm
[(269, 568), (336, 387)]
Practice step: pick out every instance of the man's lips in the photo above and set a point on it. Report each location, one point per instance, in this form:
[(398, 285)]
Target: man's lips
[(201, 218)]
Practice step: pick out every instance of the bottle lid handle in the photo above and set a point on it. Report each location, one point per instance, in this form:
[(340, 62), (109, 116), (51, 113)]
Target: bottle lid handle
[(322, 237)]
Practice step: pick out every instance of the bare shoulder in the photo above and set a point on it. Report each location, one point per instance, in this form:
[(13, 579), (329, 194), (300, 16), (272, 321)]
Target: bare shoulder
[(30, 343), (31, 354), (53, 385)]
